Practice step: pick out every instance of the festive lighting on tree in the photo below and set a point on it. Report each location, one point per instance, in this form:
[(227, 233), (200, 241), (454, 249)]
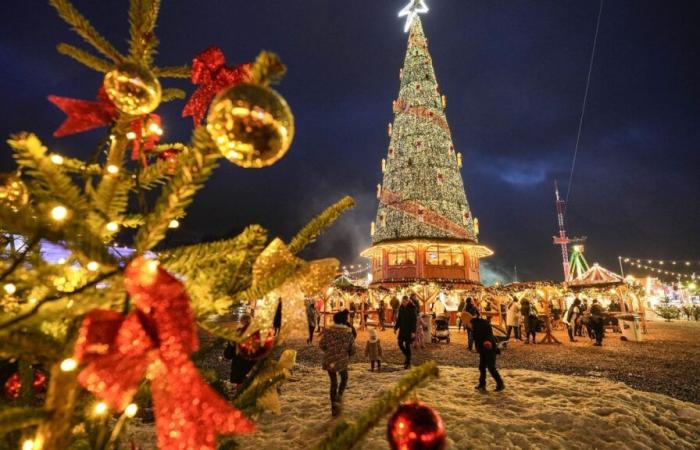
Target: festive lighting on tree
[(411, 11), (9, 288), (59, 213), (131, 410), (56, 159), (173, 223), (112, 227), (100, 408), (92, 266), (69, 365), (112, 169)]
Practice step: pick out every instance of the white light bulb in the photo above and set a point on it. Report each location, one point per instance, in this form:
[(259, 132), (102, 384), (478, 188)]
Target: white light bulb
[(131, 410), (112, 227), (174, 223), (28, 445), (131, 135), (68, 365), (56, 159), (10, 288), (92, 266), (59, 213), (112, 169), (100, 408)]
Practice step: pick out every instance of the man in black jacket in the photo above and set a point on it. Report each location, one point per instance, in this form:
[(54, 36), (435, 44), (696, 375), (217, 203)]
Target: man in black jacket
[(486, 346), (406, 326)]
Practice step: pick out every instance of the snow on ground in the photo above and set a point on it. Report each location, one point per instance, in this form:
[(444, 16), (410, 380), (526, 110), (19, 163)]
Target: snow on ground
[(537, 410)]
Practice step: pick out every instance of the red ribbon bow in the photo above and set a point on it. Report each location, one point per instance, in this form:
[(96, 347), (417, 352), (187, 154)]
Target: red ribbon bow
[(155, 340), (84, 115), (145, 139), (210, 73)]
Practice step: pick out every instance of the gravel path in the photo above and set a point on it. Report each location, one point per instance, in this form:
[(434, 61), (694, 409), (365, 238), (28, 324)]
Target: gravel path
[(667, 361)]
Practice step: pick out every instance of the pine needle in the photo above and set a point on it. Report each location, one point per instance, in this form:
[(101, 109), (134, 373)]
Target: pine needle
[(84, 58)]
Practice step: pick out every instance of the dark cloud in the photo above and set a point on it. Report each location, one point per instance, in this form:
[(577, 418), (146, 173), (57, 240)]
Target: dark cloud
[(513, 73)]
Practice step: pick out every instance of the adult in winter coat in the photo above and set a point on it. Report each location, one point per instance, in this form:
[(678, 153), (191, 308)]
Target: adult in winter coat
[(312, 319), (513, 319), (485, 344), (597, 325), (240, 367), (338, 345), (394, 303), (406, 327), (470, 311), (381, 311), (572, 315), (530, 320)]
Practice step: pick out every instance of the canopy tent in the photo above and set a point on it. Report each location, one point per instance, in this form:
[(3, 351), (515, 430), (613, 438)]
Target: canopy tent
[(596, 276)]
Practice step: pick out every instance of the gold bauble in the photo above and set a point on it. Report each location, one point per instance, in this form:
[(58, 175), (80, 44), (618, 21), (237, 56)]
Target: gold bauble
[(252, 125), (133, 89), (13, 191)]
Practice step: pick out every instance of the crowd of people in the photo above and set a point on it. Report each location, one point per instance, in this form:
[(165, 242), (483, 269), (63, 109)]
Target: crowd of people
[(691, 312)]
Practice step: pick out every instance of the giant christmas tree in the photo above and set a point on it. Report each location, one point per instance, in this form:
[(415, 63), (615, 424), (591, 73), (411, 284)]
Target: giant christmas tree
[(424, 229)]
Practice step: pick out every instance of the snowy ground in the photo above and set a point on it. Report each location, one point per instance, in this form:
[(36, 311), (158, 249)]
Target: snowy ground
[(538, 410)]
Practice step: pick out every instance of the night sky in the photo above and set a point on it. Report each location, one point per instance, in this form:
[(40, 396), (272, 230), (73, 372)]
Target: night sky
[(514, 74)]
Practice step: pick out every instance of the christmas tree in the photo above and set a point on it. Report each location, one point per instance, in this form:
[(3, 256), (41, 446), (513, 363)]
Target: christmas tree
[(422, 195), (109, 331)]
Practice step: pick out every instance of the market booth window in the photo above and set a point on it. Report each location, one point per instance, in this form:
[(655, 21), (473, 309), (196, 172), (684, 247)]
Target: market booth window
[(437, 255), (402, 257)]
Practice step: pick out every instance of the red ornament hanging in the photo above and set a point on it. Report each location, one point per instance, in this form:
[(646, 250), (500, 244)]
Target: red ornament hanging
[(170, 157), (212, 75), (256, 346), (415, 426), (155, 340), (146, 133), (84, 115)]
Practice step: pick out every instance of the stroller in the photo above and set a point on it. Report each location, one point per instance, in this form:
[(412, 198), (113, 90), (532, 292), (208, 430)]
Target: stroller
[(441, 329)]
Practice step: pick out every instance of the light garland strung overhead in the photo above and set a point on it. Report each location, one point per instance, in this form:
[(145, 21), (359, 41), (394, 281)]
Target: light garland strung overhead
[(659, 271), (661, 262)]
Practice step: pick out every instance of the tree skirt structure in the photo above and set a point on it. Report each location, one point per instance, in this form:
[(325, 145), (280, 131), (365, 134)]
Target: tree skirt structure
[(537, 410)]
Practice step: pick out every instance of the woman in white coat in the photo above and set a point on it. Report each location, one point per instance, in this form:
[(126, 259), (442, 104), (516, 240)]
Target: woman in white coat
[(513, 318)]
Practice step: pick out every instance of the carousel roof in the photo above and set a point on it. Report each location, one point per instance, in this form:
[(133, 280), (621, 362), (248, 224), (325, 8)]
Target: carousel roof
[(597, 276), (344, 283)]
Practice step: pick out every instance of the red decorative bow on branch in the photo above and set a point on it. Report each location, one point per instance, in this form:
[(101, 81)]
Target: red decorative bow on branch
[(147, 131), (84, 115), (155, 340), (210, 73)]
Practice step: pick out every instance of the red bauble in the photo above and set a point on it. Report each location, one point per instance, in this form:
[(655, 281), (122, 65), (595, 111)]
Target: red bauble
[(415, 426), (13, 384), (256, 346)]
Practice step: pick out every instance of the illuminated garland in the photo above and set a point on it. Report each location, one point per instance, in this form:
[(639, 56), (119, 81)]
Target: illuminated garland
[(660, 271), (660, 262)]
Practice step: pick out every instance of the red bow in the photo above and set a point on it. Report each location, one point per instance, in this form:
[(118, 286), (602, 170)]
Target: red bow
[(146, 137), (84, 115), (210, 73), (155, 340)]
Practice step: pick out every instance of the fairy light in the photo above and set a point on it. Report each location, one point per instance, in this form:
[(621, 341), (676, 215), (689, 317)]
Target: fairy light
[(131, 410), (92, 266), (112, 169), (56, 159), (10, 288), (155, 128), (174, 223), (59, 213), (131, 135), (69, 365), (112, 227), (100, 408), (28, 445)]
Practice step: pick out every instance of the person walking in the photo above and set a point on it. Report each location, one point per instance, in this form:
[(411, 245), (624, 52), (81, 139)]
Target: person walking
[(406, 327), (470, 311), (578, 330), (513, 319), (277, 320), (337, 344), (597, 322), (394, 303), (381, 308), (460, 308), (486, 346), (530, 319), (312, 319), (572, 316)]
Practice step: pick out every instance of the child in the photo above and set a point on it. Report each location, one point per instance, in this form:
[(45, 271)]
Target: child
[(373, 350), (338, 345), (485, 344), (421, 327)]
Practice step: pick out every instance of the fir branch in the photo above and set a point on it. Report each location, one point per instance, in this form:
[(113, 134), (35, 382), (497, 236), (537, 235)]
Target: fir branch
[(142, 21), (31, 154), (310, 232), (84, 58), (270, 282), (196, 165), (54, 297), (268, 68), (345, 435), (170, 94), (246, 401), (84, 28), (131, 221), (29, 345), (18, 418), (173, 72), (19, 259)]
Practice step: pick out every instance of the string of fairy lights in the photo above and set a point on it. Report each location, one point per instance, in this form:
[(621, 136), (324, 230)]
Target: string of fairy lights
[(668, 267)]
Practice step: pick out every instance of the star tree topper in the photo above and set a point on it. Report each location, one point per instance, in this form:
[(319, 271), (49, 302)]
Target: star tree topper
[(411, 11)]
